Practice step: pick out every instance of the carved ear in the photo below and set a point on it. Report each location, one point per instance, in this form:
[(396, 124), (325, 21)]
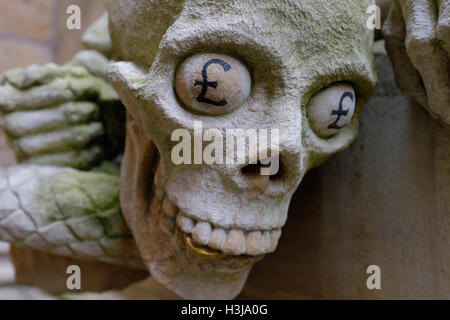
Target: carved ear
[(128, 79)]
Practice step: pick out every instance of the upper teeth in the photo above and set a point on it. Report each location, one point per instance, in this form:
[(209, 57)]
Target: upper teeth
[(228, 241), (232, 242)]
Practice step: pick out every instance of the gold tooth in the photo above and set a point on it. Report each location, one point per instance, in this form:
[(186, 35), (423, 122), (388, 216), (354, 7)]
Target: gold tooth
[(204, 253)]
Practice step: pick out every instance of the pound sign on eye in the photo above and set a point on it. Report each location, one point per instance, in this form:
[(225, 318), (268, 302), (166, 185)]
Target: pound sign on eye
[(213, 84), (340, 112)]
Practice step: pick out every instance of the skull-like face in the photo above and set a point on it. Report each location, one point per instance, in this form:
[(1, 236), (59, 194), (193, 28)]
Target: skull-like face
[(303, 68)]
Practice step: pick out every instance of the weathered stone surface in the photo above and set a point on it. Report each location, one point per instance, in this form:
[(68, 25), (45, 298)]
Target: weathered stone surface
[(37, 211), (287, 68), (95, 62), (52, 115), (97, 36), (418, 42)]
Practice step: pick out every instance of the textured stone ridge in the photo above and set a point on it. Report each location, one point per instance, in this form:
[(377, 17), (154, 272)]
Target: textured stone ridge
[(65, 212)]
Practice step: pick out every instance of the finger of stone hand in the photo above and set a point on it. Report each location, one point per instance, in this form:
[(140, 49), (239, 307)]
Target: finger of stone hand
[(25, 77), (66, 139), (407, 77), (80, 159), (59, 91), (13, 99), (443, 28), (22, 123), (63, 211), (426, 54), (95, 62)]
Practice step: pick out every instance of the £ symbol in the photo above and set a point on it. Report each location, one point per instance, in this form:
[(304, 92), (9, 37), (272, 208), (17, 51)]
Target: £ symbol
[(211, 84), (340, 112)]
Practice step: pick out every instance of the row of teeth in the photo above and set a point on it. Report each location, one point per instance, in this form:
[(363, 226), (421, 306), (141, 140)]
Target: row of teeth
[(232, 242)]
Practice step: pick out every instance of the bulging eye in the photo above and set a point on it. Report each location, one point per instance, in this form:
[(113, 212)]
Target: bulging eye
[(212, 84), (332, 109)]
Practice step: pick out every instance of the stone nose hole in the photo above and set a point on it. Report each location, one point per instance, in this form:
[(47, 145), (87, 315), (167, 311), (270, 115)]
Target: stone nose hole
[(253, 172)]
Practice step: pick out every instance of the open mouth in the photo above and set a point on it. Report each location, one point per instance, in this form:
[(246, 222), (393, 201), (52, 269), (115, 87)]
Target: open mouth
[(208, 240)]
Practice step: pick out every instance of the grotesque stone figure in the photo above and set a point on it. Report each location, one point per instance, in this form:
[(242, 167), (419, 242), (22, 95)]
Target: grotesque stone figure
[(303, 69)]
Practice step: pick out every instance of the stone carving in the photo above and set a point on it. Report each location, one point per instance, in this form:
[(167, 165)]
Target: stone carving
[(65, 212), (218, 206), (198, 229), (417, 37)]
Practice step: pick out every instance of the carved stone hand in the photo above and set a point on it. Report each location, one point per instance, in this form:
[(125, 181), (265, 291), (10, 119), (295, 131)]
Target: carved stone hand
[(52, 116), (66, 212), (417, 34)]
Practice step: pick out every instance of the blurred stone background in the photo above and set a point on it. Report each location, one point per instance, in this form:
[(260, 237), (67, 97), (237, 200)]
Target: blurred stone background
[(35, 32)]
